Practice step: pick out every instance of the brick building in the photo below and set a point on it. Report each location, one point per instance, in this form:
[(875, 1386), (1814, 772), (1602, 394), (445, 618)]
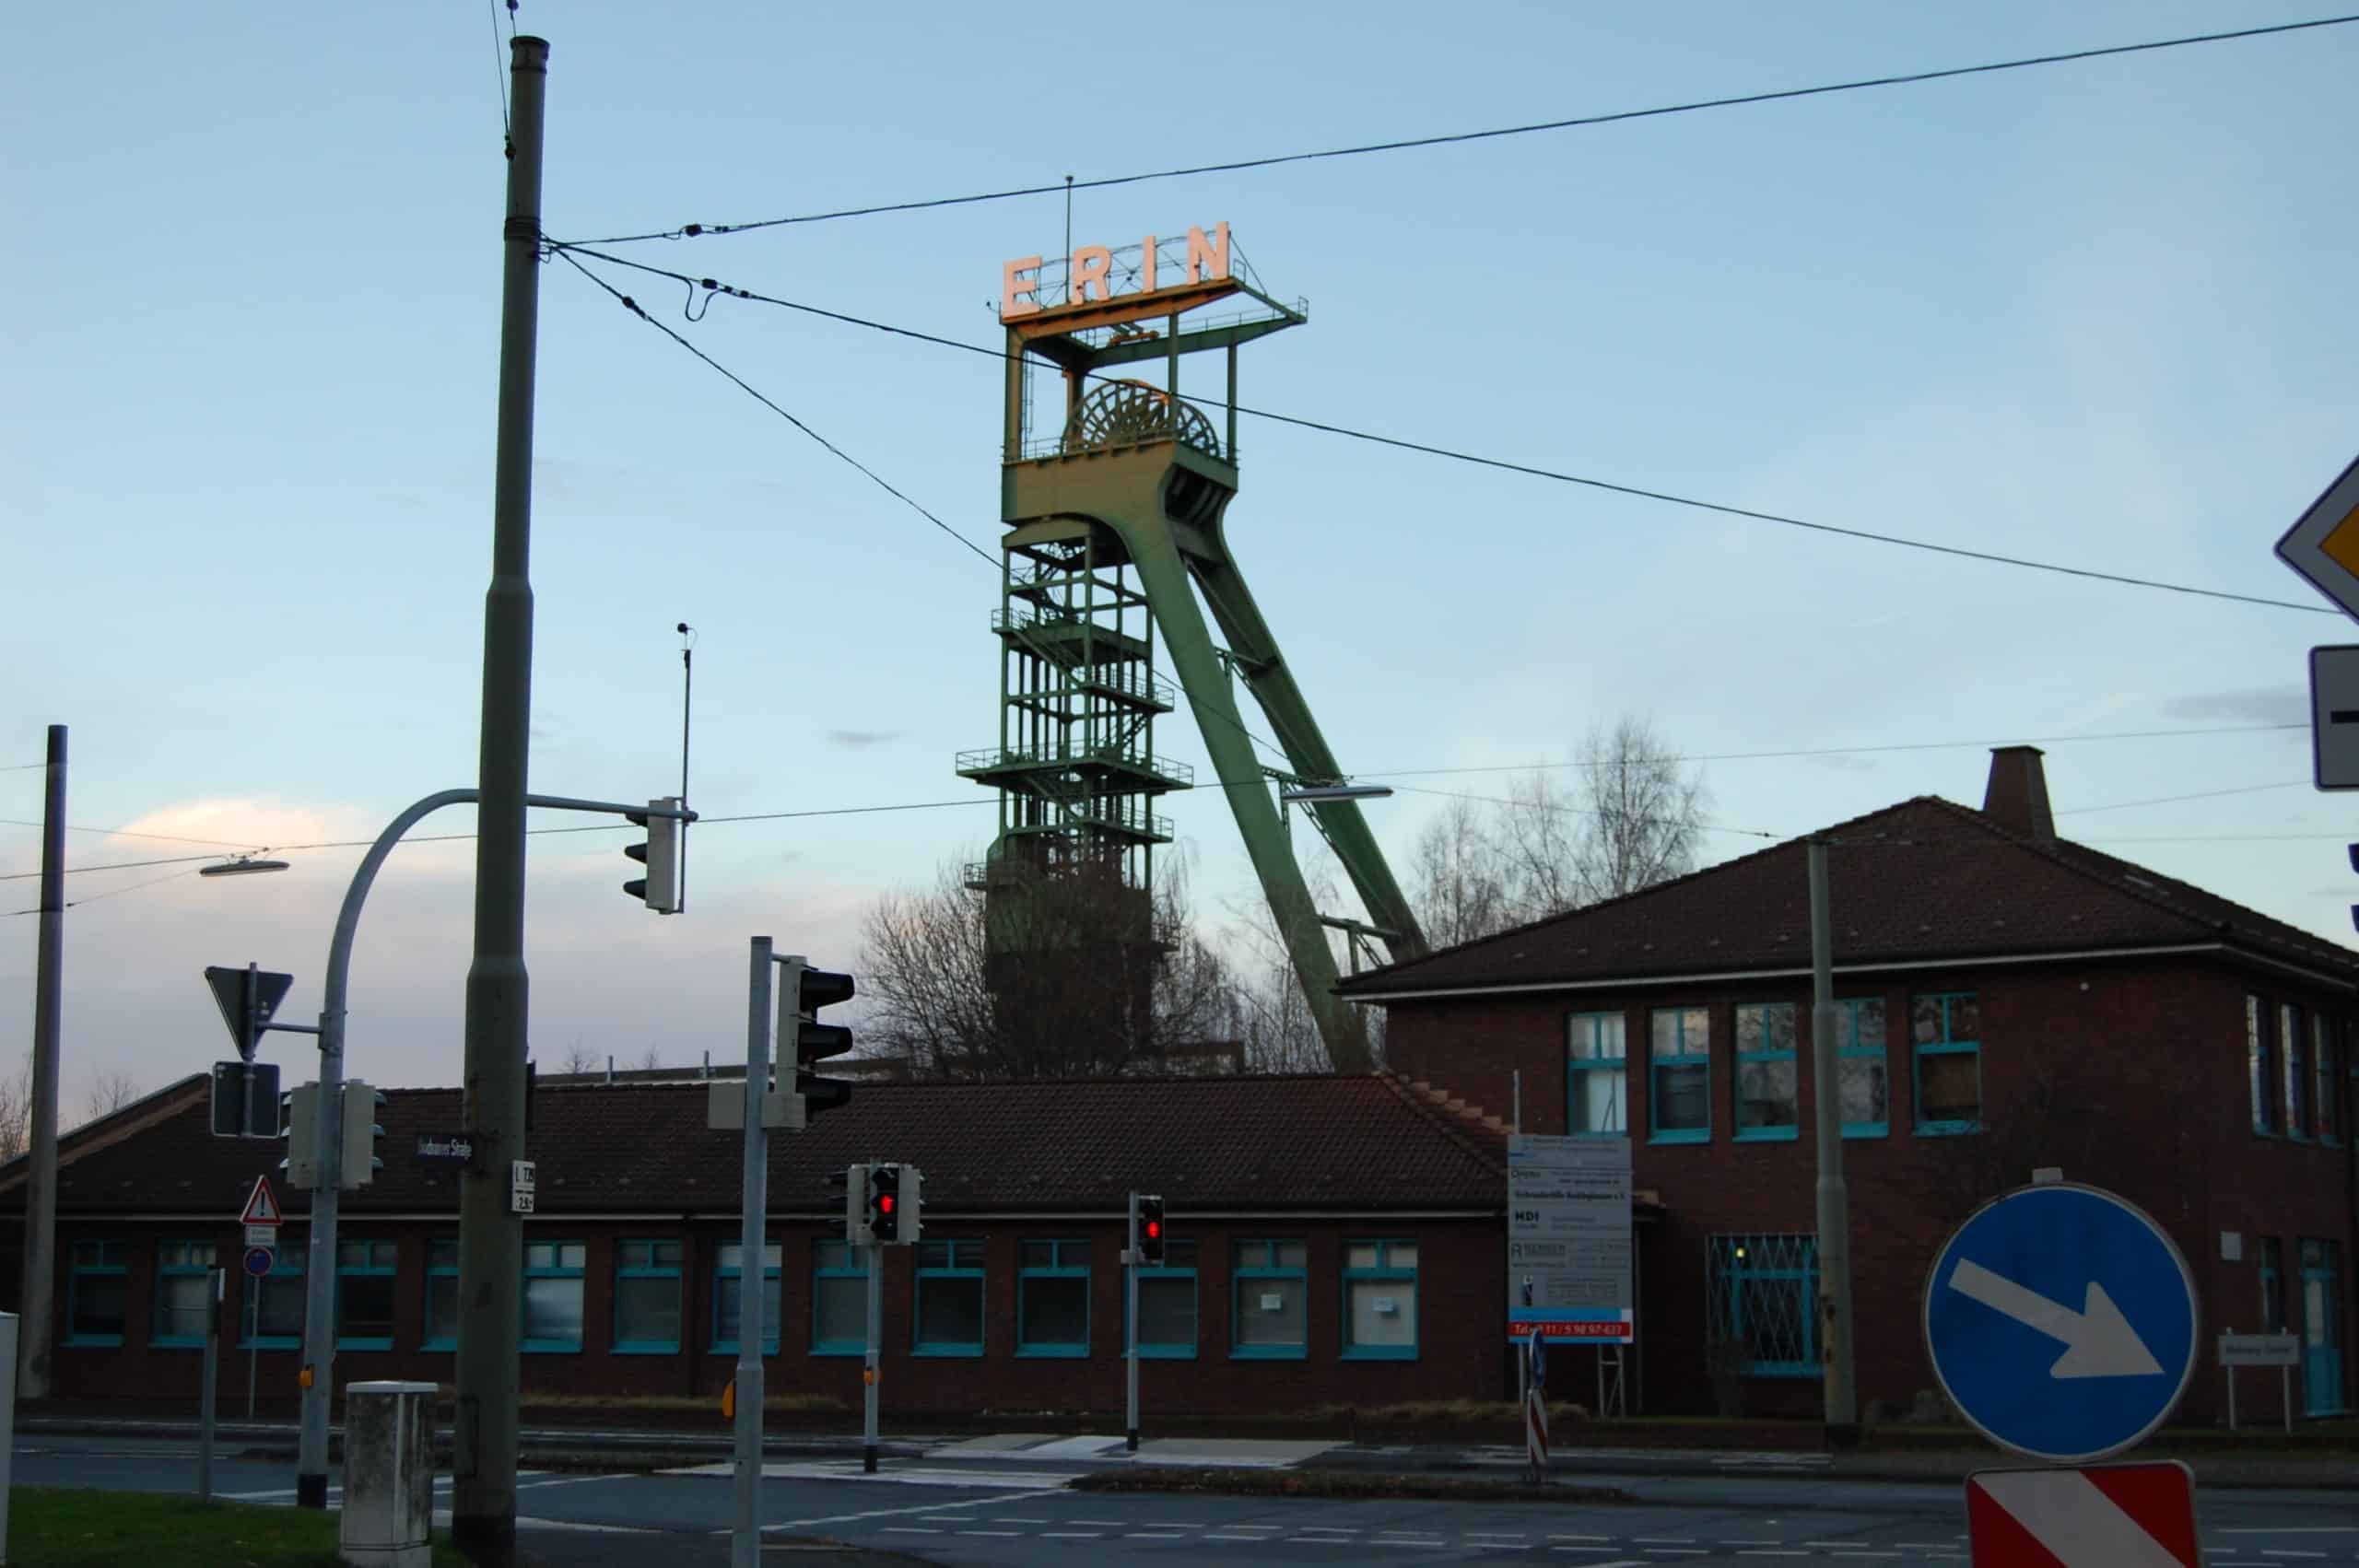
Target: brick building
[(1334, 1240), (2005, 1000)]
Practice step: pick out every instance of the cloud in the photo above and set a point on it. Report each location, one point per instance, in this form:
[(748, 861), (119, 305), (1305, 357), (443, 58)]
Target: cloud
[(862, 737), (2260, 704)]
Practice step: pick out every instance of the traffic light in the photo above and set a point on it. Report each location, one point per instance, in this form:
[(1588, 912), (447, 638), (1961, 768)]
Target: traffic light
[(912, 1220), (852, 1182), (1150, 1236), (884, 1205), (301, 1104), (804, 1041), (361, 1130), (660, 888)]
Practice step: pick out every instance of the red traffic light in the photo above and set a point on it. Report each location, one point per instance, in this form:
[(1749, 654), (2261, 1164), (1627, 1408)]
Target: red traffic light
[(883, 1202), (1154, 1230)]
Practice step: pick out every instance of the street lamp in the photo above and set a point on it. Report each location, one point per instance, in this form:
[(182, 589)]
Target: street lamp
[(244, 865), (1338, 791)]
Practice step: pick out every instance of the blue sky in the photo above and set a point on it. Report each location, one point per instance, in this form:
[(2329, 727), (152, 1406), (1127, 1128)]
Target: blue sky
[(2094, 313)]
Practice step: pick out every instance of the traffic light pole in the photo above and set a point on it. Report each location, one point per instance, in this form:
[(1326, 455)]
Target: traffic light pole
[(1131, 1316), (319, 1283), (745, 1544), (870, 1373)]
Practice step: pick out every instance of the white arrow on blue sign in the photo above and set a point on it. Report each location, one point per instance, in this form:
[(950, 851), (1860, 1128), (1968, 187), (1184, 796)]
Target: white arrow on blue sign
[(2061, 1320)]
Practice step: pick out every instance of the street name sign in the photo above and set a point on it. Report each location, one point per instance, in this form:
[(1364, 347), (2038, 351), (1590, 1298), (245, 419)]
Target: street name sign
[(2324, 546), (2061, 1320), (1569, 1239), (2260, 1350), (457, 1147), (2101, 1517), (2334, 717)]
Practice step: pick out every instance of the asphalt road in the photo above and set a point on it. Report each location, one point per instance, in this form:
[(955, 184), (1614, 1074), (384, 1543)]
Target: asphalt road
[(1005, 1515)]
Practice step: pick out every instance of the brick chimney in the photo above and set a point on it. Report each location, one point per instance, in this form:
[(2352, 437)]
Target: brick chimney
[(2016, 797)]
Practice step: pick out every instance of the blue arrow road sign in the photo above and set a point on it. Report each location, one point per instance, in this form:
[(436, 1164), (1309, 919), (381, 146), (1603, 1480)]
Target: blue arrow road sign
[(2061, 1321)]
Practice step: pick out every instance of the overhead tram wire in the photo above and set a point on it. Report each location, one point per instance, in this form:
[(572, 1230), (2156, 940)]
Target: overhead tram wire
[(692, 230), (1453, 454)]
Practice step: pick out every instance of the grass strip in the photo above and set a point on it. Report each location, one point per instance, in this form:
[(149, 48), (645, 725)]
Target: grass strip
[(1338, 1483), (74, 1528)]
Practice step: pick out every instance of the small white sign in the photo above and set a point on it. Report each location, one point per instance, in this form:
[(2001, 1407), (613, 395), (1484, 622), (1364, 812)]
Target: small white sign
[(2260, 1350), (1270, 1302), (261, 1236), (1387, 1307), (520, 1187), (2232, 1247)]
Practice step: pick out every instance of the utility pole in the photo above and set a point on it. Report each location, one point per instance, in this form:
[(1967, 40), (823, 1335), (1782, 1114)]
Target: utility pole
[(40, 1179), (1834, 1201), (752, 1229), (483, 1499)]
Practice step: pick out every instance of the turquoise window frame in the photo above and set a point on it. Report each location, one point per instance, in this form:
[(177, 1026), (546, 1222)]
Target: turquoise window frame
[(390, 1268), (1027, 1273), (438, 1249), (640, 1258), (2260, 1072), (2292, 1071), (1758, 1260), (1385, 1270), (285, 1269), (1588, 1029), (2326, 1082), (1785, 1133), (577, 1272), (1244, 1276), (725, 1276), (1945, 1044), (965, 1255), (1849, 1049), (1173, 1268), (184, 1250), (96, 1260), (1683, 1059), (822, 1271)]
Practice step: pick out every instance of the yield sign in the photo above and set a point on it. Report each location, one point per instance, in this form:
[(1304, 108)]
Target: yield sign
[(246, 1012), (2099, 1516), (261, 1205), (2324, 546)]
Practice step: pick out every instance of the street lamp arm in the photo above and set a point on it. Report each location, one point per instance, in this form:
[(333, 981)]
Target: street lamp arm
[(347, 919)]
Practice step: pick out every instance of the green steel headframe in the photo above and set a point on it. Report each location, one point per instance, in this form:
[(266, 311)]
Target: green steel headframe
[(1114, 527)]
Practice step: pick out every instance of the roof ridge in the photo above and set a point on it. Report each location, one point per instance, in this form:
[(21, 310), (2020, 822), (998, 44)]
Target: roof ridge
[(1430, 1102)]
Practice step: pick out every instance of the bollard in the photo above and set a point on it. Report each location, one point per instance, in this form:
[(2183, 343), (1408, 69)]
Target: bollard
[(388, 1475)]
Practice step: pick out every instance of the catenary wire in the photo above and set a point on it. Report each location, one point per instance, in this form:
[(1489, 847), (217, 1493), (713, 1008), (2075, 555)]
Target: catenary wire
[(133, 833), (1430, 450), (500, 66), (1778, 95)]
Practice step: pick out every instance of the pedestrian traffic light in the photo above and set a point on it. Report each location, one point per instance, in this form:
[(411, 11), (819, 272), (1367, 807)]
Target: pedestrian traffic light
[(804, 1041), (884, 1205), (301, 1105), (361, 1130), (660, 888), (910, 1222), (1150, 1235), (852, 1182)]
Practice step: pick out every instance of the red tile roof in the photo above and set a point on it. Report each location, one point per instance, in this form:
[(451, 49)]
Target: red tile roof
[(1923, 879), (1297, 1143)]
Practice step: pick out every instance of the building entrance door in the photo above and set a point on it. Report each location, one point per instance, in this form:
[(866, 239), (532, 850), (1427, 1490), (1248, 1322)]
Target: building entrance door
[(2322, 1326)]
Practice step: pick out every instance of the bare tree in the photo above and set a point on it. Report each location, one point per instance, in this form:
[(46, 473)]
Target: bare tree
[(17, 1111), (1457, 883), (579, 1058), (649, 1059), (110, 1092), (1644, 811)]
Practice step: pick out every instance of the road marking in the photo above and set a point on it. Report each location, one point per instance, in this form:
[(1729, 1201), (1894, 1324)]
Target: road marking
[(2287, 1552), (1005, 1533), (879, 1514), (1114, 1523), (564, 1481), (1018, 1519), (2292, 1530), (1664, 1540), (1155, 1535), (911, 1530), (1070, 1535)]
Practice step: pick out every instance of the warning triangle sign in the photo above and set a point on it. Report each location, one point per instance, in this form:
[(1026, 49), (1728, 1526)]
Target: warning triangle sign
[(261, 1205)]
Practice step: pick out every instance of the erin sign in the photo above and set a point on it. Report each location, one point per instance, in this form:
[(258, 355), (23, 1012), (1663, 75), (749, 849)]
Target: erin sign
[(1091, 271)]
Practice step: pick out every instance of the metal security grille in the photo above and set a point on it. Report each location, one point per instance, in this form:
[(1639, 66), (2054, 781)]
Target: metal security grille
[(1763, 1302)]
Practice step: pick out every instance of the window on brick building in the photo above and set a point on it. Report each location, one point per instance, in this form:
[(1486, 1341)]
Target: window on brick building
[(2326, 1079), (1762, 1294), (1380, 1301), (647, 1297), (441, 1294), (2258, 1072), (1947, 1027), (1167, 1304), (2272, 1285), (553, 1275), (1597, 1071), (2290, 1073), (728, 1272), (1052, 1298), (183, 1287), (1679, 1082), (838, 1299), (1765, 1071), (1267, 1299), (273, 1319), (949, 1317), (95, 1294), (1860, 1068), (364, 1296)]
